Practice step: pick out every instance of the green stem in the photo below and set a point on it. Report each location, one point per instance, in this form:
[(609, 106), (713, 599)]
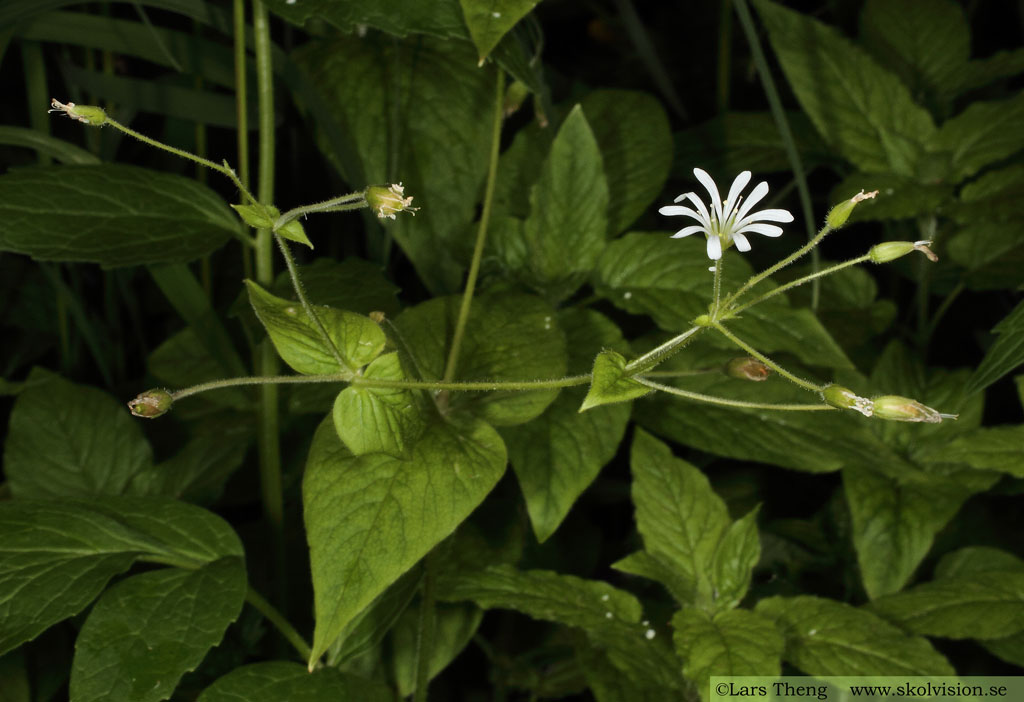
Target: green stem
[(717, 290), (425, 632), (657, 355), (269, 444), (481, 234), (278, 620), (782, 124), (242, 112), (711, 399), (300, 290), (36, 91), (799, 281), (220, 168), (470, 386), (754, 280), (805, 384), (352, 201), (942, 309), (927, 232)]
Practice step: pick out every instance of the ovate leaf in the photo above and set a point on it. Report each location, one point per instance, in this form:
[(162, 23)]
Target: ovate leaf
[(454, 626), (859, 107), (114, 215), (609, 616), (610, 382), (149, 630), (68, 440), (1006, 353), (441, 132), (275, 681), (566, 228), (894, 523), (56, 556), (508, 337), (825, 637), (739, 642), (984, 133), (370, 518), (370, 419), (978, 605), (440, 18), (685, 525), (926, 42), (557, 456), (489, 20), (986, 448), (356, 339)]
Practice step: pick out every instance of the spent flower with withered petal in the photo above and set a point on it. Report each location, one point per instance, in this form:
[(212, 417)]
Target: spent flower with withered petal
[(726, 223)]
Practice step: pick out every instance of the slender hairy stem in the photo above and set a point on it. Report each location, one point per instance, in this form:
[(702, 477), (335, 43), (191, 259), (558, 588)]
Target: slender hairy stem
[(782, 124), (926, 231), (805, 384), (799, 281), (716, 295), (220, 168), (470, 386), (479, 386), (481, 234), (711, 399), (269, 443), (754, 280), (293, 273), (352, 201), (657, 355), (278, 620), (256, 380), (425, 631)]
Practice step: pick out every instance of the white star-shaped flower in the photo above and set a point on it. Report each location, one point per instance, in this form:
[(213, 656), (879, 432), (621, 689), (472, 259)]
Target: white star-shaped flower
[(725, 223)]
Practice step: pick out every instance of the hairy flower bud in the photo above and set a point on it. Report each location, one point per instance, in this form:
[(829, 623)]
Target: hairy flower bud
[(903, 409), (514, 97), (840, 213), (86, 114), (387, 200), (891, 250), (747, 368), (844, 398), (151, 404)]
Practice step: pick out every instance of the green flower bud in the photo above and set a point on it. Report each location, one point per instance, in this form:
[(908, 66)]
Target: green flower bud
[(891, 250), (903, 409), (703, 320), (515, 96), (844, 398), (747, 368), (387, 200), (86, 114), (151, 404), (840, 213)]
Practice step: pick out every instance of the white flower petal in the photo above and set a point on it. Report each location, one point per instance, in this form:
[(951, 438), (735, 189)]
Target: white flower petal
[(705, 216), (741, 242), (671, 210), (687, 231), (709, 183), (682, 197), (714, 248), (766, 229), (756, 195), (738, 184), (767, 216)]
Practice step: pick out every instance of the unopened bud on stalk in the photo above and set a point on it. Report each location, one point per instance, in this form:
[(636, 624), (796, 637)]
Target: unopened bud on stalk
[(377, 316), (514, 97), (891, 250), (747, 368), (840, 213), (387, 200), (844, 398), (86, 114), (903, 409), (151, 404)]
